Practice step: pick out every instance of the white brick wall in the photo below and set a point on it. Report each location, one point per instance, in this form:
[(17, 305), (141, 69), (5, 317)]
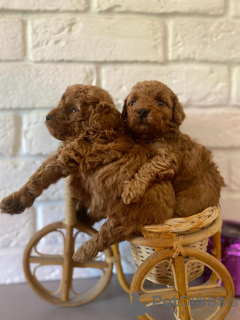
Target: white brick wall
[(44, 5), (235, 172), (235, 8), (192, 46), (11, 39), (195, 85), (236, 86), (30, 85), (207, 126), (34, 128), (9, 130), (213, 7), (205, 40), (17, 230), (82, 39), (15, 172)]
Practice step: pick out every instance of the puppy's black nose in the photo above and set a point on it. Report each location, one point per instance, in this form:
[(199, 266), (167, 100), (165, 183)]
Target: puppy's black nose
[(48, 117), (142, 113)]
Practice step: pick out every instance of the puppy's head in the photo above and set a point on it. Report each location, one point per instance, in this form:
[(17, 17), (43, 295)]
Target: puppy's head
[(82, 108), (152, 110)]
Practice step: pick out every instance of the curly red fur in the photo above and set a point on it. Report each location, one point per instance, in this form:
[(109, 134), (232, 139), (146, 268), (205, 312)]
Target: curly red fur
[(99, 157), (196, 181)]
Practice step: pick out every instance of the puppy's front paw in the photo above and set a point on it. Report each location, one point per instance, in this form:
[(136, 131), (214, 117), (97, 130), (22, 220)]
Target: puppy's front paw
[(86, 252), (15, 203), (130, 193), (80, 256)]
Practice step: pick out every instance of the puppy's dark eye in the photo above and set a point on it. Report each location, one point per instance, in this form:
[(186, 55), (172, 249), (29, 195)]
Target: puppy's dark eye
[(73, 109), (160, 103), (133, 102)]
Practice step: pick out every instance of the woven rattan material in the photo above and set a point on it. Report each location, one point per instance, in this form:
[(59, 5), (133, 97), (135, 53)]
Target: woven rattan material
[(162, 273), (182, 225), (176, 228)]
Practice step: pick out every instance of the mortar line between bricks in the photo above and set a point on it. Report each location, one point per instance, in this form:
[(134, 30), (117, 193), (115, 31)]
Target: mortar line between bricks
[(24, 39), (166, 48), (101, 77), (227, 8), (28, 40), (91, 6), (229, 71), (231, 84), (113, 14), (183, 63), (98, 75)]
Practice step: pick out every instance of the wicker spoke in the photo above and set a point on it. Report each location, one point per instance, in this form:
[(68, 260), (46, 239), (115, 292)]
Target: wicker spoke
[(47, 260), (58, 260), (148, 297), (212, 292)]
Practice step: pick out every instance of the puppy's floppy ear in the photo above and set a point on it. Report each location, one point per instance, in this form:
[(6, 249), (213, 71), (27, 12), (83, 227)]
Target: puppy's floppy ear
[(124, 110), (105, 117), (178, 113)]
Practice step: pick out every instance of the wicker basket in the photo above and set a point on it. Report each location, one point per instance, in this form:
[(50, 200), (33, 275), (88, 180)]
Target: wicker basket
[(173, 228)]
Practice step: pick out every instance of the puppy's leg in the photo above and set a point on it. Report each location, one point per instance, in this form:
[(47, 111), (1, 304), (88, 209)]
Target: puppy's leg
[(49, 172), (111, 232), (83, 216), (158, 204), (157, 168)]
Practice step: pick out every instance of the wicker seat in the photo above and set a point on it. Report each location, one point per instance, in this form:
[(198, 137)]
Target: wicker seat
[(174, 229)]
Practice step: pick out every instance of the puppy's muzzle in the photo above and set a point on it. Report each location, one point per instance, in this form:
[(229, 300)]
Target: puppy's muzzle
[(143, 113), (48, 117)]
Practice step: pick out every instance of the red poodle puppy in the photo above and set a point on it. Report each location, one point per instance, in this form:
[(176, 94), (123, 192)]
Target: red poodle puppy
[(99, 157), (153, 114)]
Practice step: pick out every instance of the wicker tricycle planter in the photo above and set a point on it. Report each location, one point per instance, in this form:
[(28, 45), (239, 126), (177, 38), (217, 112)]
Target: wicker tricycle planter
[(171, 254)]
